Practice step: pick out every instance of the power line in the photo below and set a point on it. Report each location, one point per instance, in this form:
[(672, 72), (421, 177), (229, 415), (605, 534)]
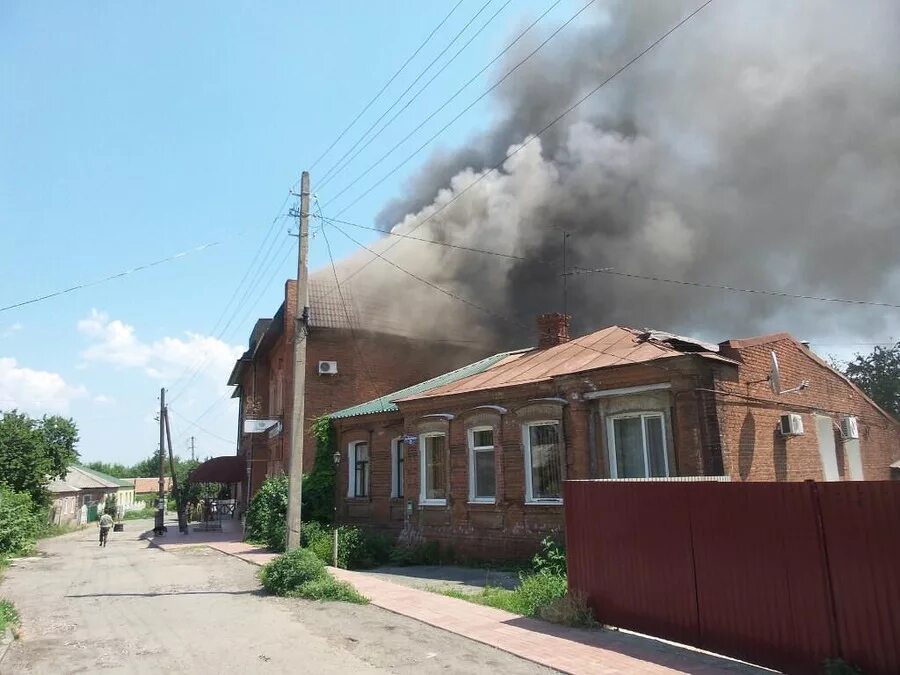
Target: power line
[(337, 283), (485, 310), (124, 273), (252, 267), (194, 425), (409, 102), (534, 137), (386, 85), (435, 242), (723, 287), (405, 91), (458, 115)]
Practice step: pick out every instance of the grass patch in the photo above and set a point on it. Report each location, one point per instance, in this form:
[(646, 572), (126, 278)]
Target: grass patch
[(9, 617), (301, 574), (141, 514), (54, 530)]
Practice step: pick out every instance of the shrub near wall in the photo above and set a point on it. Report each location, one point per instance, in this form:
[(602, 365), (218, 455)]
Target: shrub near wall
[(20, 522), (266, 517)]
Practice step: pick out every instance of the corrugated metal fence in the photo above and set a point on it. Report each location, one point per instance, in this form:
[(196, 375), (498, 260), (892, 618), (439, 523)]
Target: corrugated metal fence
[(784, 575)]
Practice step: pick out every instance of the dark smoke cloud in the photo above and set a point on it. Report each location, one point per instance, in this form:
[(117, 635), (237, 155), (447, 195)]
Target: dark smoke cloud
[(759, 146)]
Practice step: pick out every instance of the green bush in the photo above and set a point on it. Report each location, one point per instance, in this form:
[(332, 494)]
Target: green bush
[(357, 549), (301, 574), (139, 514), (318, 485), (267, 515), (551, 558), (428, 553), (9, 617), (20, 522), (109, 506)]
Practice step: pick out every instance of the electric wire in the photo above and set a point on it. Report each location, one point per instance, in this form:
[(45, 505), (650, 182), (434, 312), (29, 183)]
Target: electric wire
[(406, 91), (386, 85), (543, 130), (472, 104), (409, 102)]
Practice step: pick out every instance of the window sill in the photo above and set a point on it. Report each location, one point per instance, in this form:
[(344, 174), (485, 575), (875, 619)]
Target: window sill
[(482, 502), (545, 502), (433, 502)]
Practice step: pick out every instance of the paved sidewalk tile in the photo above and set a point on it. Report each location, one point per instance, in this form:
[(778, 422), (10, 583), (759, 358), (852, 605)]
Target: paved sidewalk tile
[(570, 650)]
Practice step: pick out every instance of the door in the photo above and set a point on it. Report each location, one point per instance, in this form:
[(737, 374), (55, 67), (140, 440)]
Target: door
[(827, 449)]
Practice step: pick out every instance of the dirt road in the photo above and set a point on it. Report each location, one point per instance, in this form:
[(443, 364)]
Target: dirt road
[(130, 608)]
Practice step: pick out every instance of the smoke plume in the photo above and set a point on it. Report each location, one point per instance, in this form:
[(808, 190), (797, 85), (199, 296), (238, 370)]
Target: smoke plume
[(758, 147)]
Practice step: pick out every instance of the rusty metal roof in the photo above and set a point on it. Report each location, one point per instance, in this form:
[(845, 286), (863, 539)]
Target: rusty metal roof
[(613, 346)]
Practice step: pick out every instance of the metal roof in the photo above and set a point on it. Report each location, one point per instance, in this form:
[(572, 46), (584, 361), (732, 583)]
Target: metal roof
[(58, 486), (612, 346), (87, 480), (386, 403), (121, 482)]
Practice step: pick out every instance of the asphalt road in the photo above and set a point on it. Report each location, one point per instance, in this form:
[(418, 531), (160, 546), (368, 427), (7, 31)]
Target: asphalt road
[(131, 608)]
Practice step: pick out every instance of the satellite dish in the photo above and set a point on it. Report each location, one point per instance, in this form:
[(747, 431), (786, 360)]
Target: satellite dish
[(775, 375)]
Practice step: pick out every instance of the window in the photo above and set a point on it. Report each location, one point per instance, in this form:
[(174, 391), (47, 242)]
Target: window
[(637, 444), (482, 484), (359, 470), (433, 451), (543, 462), (397, 456)]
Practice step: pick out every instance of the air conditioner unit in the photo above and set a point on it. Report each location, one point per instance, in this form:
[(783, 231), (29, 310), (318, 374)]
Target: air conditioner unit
[(849, 428), (328, 368), (791, 425)]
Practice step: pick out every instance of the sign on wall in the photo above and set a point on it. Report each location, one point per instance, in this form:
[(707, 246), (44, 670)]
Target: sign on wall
[(258, 426)]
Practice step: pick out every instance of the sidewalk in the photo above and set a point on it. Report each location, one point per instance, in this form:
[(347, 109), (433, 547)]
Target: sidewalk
[(569, 650)]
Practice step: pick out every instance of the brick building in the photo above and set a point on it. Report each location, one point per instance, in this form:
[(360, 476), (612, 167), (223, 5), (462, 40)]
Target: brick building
[(352, 355), (475, 458)]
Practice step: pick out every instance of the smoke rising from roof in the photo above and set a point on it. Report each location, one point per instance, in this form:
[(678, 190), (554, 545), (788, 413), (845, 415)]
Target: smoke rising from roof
[(759, 147)]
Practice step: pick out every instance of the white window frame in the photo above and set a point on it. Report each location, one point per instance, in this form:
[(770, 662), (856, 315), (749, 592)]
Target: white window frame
[(526, 446), (423, 469), (611, 440), (472, 452), (397, 487), (351, 470)]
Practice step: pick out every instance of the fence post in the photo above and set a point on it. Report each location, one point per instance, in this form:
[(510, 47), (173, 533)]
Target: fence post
[(823, 549)]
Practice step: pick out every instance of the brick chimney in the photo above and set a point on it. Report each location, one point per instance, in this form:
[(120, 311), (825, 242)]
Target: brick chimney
[(553, 329)]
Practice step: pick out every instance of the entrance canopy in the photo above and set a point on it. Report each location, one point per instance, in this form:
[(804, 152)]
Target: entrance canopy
[(229, 469)]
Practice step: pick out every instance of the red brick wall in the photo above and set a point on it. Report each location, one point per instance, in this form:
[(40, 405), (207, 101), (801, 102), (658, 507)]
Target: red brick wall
[(754, 449)]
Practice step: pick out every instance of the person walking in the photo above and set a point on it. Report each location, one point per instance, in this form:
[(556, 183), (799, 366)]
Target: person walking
[(106, 522)]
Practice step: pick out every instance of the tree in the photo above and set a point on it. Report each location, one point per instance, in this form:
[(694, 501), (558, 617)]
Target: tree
[(149, 467), (34, 452), (878, 374), (112, 469)]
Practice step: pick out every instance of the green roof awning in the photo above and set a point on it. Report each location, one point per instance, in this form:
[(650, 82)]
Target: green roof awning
[(386, 403)]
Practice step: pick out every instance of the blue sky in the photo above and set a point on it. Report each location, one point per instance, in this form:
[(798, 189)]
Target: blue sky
[(132, 131)]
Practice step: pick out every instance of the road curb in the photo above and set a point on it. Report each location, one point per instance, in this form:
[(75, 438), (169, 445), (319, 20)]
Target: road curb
[(5, 643)]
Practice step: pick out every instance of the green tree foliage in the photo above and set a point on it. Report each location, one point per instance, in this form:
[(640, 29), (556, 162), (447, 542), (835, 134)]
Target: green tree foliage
[(110, 505), (113, 469), (148, 467), (20, 522), (33, 452), (266, 517), (878, 374), (319, 485)]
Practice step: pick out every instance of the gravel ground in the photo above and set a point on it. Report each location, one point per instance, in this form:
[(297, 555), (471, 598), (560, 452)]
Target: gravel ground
[(131, 608)]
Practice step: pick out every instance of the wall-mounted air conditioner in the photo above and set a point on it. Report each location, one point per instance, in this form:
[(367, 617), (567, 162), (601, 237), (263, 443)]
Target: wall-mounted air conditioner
[(849, 428), (328, 368), (791, 425)]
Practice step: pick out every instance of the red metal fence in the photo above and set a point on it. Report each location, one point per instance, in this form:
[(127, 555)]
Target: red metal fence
[(785, 575)]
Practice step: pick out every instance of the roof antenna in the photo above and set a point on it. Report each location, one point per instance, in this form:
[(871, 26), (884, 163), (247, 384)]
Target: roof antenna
[(775, 379)]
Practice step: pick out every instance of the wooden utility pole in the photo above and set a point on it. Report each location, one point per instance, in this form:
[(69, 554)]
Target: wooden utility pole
[(295, 466), (192, 448), (160, 522), (179, 506)]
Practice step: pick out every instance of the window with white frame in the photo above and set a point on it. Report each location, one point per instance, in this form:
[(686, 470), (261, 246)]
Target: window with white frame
[(359, 470), (398, 455), (637, 445), (543, 462), (482, 481), (433, 462)]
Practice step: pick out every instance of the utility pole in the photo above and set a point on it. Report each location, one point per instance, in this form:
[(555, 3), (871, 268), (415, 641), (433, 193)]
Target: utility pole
[(161, 504), (192, 448), (182, 522), (295, 470)]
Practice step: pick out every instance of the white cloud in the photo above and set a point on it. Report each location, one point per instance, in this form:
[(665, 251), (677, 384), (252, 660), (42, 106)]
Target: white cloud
[(35, 390), (104, 400), (115, 342), (11, 330)]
